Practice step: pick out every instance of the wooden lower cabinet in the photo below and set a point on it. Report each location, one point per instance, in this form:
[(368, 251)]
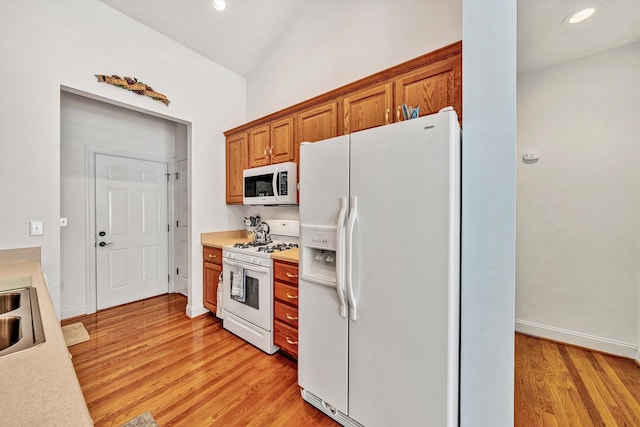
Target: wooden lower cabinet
[(211, 269), (285, 318)]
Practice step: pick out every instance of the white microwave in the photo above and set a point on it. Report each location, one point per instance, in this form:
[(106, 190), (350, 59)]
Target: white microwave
[(270, 185)]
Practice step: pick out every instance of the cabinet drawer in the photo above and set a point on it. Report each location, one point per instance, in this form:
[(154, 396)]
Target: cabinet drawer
[(213, 255), (286, 338), (285, 272), (286, 313), (286, 293)]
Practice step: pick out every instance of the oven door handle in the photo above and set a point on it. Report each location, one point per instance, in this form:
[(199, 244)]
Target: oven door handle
[(248, 267)]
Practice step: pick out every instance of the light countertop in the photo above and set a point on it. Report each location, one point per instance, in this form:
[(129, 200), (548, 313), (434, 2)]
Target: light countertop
[(291, 255), (38, 386), (218, 239)]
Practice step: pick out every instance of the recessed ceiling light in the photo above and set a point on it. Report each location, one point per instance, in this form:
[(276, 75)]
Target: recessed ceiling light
[(219, 5), (581, 14)]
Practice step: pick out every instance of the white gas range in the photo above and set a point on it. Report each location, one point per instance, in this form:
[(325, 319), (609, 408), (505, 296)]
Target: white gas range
[(248, 301)]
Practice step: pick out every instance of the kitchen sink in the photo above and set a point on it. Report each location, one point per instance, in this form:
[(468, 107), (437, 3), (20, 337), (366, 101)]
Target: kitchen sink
[(9, 331), (20, 321), (9, 301)]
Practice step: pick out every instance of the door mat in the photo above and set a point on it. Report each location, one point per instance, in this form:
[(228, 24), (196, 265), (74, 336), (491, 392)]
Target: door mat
[(75, 333), (142, 420)]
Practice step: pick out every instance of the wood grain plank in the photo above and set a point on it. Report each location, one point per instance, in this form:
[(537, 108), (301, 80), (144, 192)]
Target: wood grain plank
[(148, 356), (558, 384)]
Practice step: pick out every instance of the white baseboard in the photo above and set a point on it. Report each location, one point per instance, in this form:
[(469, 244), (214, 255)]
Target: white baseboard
[(195, 311), (593, 342), (73, 312)]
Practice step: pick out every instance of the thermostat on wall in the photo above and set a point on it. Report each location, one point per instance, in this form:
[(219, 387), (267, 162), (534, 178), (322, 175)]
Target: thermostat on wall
[(531, 156)]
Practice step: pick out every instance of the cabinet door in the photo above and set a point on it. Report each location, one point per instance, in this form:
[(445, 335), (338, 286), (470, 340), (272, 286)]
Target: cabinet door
[(210, 274), (259, 146), (237, 161), (432, 87), (282, 145), (318, 123), (367, 108)]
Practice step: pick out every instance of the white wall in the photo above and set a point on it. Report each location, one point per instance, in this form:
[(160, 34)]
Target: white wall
[(488, 213), (578, 212), (89, 124), (335, 42), (44, 45)]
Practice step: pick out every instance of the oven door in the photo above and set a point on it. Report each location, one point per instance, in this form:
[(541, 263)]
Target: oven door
[(258, 296)]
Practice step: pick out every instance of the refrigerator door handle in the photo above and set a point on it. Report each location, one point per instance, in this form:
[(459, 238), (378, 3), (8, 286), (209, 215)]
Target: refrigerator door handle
[(340, 258), (276, 193), (349, 258)]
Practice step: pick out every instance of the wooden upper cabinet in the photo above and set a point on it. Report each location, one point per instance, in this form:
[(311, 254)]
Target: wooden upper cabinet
[(432, 87), (271, 143), (368, 108), (259, 146), (318, 123), (282, 142), (237, 161)]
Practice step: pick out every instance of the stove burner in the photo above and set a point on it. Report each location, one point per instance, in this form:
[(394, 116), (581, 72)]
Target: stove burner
[(247, 245), (277, 247)]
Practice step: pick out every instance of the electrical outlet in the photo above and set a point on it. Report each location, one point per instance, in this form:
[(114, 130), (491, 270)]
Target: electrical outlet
[(63, 222), (36, 228)]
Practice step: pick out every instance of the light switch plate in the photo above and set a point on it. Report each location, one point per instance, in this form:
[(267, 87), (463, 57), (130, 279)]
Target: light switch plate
[(36, 228)]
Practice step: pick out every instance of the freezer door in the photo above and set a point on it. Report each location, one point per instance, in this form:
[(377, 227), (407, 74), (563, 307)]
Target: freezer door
[(322, 330), (403, 353), (324, 180)]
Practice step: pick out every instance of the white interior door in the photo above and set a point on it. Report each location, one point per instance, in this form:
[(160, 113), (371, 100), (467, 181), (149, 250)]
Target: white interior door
[(131, 230), (182, 274)]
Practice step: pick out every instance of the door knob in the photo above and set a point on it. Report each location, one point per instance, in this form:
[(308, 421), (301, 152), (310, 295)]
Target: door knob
[(103, 244)]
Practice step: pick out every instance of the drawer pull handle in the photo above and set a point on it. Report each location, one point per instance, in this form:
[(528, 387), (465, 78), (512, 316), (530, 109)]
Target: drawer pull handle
[(291, 296), (291, 342), (291, 276), (290, 317), (212, 256)]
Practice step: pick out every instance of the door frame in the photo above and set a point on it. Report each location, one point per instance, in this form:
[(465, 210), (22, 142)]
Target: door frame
[(90, 215), (176, 233)]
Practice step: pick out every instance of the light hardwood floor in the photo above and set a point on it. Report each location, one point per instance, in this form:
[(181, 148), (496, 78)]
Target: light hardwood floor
[(148, 356), (561, 385)]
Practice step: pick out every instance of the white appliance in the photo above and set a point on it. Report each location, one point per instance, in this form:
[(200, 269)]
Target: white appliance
[(270, 185), (250, 316), (380, 274)]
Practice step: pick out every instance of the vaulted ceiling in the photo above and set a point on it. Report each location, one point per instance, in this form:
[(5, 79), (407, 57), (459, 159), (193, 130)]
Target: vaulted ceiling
[(240, 37)]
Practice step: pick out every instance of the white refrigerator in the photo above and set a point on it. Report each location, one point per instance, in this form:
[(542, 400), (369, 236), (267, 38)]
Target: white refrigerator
[(379, 279)]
